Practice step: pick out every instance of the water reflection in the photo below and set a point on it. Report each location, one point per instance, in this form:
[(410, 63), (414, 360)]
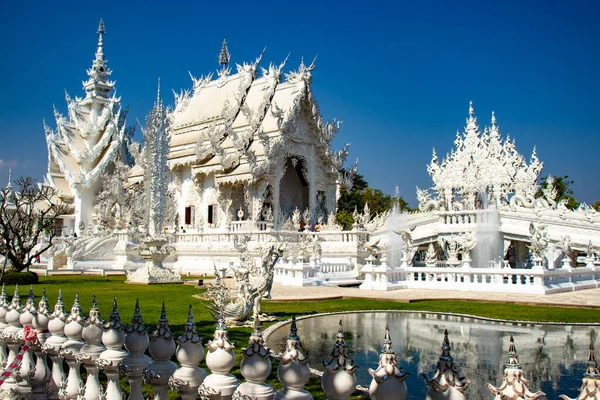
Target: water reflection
[(553, 357)]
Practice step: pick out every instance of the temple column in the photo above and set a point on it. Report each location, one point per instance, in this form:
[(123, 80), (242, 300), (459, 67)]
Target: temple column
[(312, 186), (277, 217)]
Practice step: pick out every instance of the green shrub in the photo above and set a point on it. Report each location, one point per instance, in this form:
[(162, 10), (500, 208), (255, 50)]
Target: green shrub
[(20, 278)]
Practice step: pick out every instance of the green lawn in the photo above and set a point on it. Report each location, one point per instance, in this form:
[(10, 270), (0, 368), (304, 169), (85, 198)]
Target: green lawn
[(178, 298)]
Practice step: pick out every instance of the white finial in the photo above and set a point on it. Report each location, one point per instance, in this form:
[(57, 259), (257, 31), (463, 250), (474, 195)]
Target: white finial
[(9, 177), (100, 51), (471, 111), (493, 120)]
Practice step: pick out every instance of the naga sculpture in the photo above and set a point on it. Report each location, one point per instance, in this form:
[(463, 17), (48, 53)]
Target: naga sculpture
[(251, 287)]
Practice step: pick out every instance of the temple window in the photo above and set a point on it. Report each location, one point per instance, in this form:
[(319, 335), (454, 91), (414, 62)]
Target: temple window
[(189, 215), (210, 214)]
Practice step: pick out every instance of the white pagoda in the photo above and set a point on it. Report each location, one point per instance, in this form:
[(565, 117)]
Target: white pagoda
[(85, 144)]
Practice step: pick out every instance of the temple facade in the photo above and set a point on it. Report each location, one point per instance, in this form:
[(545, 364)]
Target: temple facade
[(249, 149)]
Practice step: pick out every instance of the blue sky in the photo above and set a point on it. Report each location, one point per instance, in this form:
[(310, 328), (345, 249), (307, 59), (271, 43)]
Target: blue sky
[(399, 74)]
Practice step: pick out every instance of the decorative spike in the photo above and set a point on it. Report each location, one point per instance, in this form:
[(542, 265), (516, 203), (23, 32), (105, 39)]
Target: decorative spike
[(163, 330), (101, 27), (340, 334), (446, 347), (592, 364), (43, 307), (94, 315), (471, 110), (387, 342), (221, 325), (513, 356), (163, 312), (16, 300), (493, 120), (30, 304), (294, 349), (293, 330), (190, 330), (3, 297), (76, 313), (137, 322), (114, 321)]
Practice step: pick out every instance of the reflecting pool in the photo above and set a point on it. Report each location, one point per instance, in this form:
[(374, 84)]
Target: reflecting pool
[(553, 357)]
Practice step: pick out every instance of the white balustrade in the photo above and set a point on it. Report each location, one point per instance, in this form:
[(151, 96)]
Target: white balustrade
[(94, 344)]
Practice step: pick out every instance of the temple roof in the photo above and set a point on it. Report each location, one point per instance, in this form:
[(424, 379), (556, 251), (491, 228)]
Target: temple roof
[(482, 162), (241, 118)]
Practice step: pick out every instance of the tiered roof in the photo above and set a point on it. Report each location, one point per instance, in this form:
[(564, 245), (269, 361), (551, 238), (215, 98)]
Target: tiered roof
[(484, 163), (236, 125)]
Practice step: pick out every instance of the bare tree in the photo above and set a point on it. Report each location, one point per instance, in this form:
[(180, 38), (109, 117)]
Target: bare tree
[(26, 215)]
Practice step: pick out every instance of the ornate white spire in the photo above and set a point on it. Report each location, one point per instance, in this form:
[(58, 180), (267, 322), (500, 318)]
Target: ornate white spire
[(98, 85), (156, 141), (224, 55)]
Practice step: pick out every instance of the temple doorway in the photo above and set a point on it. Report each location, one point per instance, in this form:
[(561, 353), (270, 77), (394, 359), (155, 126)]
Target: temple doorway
[(294, 186)]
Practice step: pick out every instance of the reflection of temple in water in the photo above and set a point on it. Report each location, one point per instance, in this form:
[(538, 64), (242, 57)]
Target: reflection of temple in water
[(548, 353)]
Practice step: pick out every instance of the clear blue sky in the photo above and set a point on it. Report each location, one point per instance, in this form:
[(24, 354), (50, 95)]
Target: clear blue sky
[(399, 74)]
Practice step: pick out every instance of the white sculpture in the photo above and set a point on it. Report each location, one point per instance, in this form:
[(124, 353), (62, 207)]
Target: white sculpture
[(162, 348), (446, 383), (113, 338), (56, 326), (73, 385), (256, 368), (388, 380), (220, 360), (339, 380), (188, 378), (91, 350), (136, 343), (293, 371), (514, 384), (590, 387)]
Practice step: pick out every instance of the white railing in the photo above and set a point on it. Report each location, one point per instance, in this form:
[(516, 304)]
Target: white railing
[(261, 235), (500, 279), (113, 349)]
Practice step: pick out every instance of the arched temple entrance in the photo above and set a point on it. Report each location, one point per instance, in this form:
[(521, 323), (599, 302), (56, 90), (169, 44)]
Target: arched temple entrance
[(294, 186)]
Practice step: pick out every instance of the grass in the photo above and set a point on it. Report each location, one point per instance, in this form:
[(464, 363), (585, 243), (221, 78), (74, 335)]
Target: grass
[(178, 298)]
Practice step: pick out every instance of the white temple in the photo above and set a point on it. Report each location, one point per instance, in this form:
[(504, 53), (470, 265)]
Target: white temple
[(249, 157)]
